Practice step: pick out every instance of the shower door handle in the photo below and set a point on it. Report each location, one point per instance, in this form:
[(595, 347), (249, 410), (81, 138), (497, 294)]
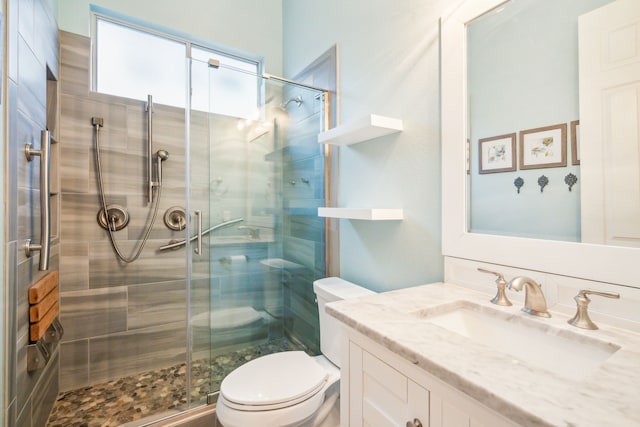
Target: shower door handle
[(198, 248), (45, 203)]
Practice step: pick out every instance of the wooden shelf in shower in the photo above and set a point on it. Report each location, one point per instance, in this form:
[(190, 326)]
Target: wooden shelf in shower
[(43, 305), (367, 128)]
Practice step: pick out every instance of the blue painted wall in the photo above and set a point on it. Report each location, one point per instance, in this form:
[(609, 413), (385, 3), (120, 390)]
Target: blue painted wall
[(388, 65)]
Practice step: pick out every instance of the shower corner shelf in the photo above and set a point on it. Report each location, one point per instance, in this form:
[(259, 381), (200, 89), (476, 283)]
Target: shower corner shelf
[(369, 127), (368, 214)]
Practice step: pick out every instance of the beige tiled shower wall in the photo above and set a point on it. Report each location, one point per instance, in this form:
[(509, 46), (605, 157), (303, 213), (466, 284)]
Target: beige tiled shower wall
[(119, 319), (32, 42), (125, 319)]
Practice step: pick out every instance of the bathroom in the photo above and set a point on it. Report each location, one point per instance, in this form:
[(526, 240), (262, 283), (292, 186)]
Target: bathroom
[(389, 62)]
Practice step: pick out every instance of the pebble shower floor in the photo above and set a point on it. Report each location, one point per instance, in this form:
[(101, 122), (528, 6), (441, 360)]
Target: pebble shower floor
[(136, 397)]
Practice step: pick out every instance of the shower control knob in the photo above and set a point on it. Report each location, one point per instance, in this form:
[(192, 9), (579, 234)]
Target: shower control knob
[(175, 218), (114, 217), (415, 423)]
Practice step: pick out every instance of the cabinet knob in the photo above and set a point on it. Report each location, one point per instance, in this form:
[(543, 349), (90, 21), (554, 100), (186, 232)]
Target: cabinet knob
[(415, 423)]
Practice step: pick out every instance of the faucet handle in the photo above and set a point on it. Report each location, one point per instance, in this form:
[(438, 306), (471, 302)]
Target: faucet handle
[(585, 292), (501, 296), (495, 273), (581, 318)]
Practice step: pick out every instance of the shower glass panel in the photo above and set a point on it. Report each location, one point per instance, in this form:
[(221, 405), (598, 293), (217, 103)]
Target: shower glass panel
[(255, 165)]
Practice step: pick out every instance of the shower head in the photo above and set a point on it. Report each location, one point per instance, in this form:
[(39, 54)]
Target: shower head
[(162, 154)]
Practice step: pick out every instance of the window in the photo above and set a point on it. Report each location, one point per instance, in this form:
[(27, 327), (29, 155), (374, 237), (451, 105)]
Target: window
[(133, 64), (134, 61), (231, 90)]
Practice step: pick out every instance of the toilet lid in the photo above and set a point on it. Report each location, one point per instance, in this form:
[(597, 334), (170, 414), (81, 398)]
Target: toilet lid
[(274, 380)]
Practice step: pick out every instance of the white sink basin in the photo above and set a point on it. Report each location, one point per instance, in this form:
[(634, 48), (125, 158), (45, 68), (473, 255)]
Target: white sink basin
[(525, 341)]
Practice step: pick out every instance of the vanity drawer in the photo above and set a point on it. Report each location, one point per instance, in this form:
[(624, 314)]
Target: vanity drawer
[(385, 397)]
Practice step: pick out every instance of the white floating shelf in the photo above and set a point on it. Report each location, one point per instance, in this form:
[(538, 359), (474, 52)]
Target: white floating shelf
[(369, 127), (369, 214)]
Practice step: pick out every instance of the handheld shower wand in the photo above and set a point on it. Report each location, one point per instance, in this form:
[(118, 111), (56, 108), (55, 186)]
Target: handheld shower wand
[(116, 217), (161, 156)]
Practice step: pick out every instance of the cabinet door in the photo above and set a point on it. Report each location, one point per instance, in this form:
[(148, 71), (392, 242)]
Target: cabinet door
[(384, 397)]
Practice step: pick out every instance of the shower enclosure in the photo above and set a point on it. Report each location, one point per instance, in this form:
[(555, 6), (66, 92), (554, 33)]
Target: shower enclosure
[(257, 162), (226, 274)]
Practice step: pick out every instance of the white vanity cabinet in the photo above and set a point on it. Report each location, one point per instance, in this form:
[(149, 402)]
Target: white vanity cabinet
[(381, 396), (381, 389)]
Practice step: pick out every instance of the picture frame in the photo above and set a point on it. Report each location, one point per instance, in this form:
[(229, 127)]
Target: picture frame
[(497, 154), (544, 147), (575, 142)]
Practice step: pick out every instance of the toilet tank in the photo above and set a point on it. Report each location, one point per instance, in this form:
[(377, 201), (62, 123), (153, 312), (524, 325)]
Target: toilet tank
[(328, 290)]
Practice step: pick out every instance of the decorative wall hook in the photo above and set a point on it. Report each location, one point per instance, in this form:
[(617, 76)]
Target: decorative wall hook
[(542, 182), (570, 180), (519, 182)]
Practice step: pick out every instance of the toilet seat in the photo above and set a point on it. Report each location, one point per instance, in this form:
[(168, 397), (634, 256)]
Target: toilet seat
[(274, 381)]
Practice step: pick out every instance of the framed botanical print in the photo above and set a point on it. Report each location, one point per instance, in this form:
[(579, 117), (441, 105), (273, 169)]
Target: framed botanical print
[(544, 147), (497, 153)]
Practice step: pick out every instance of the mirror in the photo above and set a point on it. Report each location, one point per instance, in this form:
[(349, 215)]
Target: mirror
[(524, 103), (597, 174)]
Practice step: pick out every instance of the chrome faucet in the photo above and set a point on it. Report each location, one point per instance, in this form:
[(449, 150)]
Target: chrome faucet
[(534, 302)]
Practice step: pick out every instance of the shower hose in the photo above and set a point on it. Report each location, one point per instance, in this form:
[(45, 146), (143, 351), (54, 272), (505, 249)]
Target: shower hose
[(111, 222)]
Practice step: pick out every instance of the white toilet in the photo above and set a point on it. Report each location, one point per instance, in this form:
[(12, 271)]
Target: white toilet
[(291, 388)]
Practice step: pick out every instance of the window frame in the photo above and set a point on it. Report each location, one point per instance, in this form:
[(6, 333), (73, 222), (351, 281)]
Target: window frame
[(99, 13)]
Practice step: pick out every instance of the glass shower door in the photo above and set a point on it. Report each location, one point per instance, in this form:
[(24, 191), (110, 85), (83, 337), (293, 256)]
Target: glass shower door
[(199, 199), (257, 172)]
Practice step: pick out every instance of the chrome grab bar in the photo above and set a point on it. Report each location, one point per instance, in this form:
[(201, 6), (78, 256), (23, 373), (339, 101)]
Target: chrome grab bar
[(175, 244), (45, 204), (149, 110)]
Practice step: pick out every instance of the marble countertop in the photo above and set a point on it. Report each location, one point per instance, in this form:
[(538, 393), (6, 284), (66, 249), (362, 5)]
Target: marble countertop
[(525, 394)]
